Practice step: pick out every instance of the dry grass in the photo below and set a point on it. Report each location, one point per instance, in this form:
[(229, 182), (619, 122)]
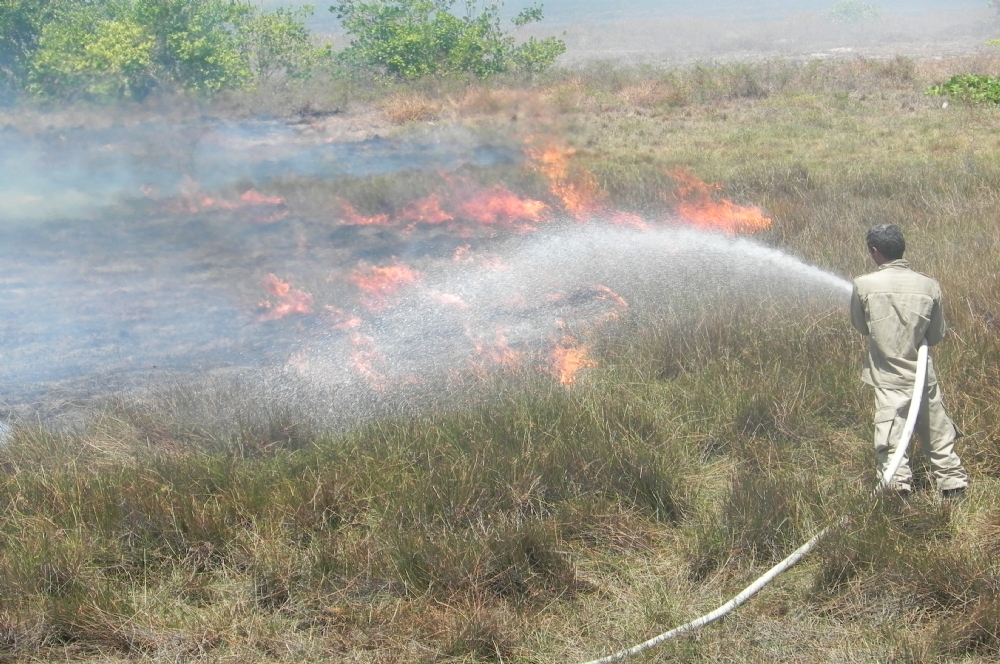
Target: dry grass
[(406, 107)]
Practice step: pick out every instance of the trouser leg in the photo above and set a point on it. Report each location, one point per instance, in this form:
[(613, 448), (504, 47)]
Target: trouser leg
[(937, 435), (890, 417)]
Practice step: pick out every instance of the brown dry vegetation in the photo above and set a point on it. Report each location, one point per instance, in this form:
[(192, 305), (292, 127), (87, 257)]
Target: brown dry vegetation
[(558, 524)]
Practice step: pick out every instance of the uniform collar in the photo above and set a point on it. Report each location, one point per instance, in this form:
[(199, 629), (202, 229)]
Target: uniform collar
[(898, 263)]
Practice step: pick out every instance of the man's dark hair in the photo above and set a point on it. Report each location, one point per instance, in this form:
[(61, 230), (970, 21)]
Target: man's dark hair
[(887, 238)]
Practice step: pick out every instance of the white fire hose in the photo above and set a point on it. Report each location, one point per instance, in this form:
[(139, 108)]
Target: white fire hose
[(799, 553)]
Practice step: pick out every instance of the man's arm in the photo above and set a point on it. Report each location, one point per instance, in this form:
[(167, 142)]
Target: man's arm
[(937, 327), (858, 319)]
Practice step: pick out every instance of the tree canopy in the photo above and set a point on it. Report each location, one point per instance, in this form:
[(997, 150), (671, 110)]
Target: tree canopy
[(413, 38), (126, 48)]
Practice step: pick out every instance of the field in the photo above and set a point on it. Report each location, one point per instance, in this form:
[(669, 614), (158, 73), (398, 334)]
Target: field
[(525, 520)]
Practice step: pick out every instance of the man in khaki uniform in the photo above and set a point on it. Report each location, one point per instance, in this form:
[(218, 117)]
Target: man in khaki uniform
[(897, 308)]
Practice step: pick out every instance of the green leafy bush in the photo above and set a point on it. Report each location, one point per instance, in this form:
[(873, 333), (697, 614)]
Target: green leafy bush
[(278, 43), (93, 55), (973, 88), (853, 11), (412, 38), (126, 48), (21, 23)]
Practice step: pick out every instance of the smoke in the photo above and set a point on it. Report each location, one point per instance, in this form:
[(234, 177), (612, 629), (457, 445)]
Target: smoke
[(179, 253), (132, 252), (137, 254), (77, 172)]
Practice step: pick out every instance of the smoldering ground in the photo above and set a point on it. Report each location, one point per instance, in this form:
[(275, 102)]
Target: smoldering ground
[(123, 255), (134, 256)]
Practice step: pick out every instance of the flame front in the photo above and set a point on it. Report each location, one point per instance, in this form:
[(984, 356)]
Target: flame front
[(290, 300), (499, 205), (349, 216), (378, 284), (697, 205), (568, 358), (342, 320), (582, 197), (577, 189), (494, 354), (262, 209), (464, 211), (426, 211), (620, 303), (254, 197)]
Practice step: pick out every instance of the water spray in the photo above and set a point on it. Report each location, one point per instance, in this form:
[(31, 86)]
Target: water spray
[(802, 551)]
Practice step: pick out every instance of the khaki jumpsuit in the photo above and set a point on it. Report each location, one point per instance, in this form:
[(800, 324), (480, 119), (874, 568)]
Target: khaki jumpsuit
[(896, 308)]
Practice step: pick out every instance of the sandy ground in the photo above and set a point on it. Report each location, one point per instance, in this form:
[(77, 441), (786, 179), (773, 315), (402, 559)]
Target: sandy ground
[(684, 40)]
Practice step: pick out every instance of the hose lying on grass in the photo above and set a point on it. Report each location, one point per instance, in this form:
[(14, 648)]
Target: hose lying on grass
[(799, 553)]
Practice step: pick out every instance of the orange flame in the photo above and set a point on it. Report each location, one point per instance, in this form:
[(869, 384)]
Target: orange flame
[(208, 203), (290, 300), (254, 197), (629, 219), (379, 283), (193, 200), (577, 189), (697, 206), (568, 358), (425, 211), (342, 320), (497, 353), (349, 216), (608, 294), (499, 205)]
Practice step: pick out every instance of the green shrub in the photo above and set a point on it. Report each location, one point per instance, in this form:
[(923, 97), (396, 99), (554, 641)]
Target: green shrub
[(278, 43), (126, 48), (95, 56), (973, 88), (408, 39), (21, 24)]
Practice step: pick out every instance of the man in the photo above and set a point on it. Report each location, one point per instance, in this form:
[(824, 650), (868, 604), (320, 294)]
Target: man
[(897, 308)]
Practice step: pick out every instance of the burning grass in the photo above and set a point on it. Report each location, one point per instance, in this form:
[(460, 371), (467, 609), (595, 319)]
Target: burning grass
[(629, 479)]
